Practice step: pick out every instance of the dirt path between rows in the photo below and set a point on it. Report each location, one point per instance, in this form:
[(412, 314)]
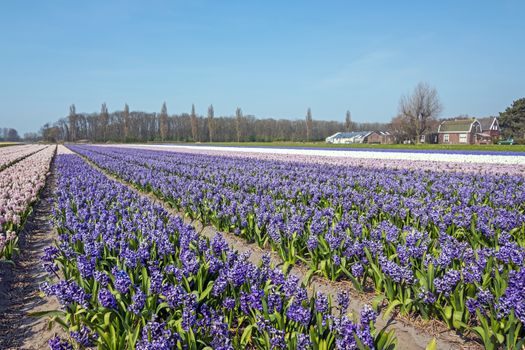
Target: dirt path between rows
[(20, 283), (410, 336)]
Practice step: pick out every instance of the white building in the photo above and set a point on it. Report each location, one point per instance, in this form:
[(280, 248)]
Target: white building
[(348, 137)]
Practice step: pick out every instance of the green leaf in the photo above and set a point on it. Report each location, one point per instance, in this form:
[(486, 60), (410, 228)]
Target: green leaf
[(60, 321), (246, 335), (432, 345), (390, 308), (377, 301), (447, 311), (162, 306), (206, 292), (354, 281), (308, 277), (114, 337), (407, 302), (47, 313), (520, 344), (481, 332), (107, 319), (135, 336)]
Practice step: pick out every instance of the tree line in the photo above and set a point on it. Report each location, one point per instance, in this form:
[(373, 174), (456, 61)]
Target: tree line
[(9, 135), (137, 126), (417, 115)]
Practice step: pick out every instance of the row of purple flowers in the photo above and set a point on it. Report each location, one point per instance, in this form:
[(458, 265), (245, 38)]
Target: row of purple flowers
[(444, 245), (130, 275)]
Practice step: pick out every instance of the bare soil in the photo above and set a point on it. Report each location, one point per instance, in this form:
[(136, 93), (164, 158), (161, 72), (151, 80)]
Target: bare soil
[(20, 282), (412, 333)]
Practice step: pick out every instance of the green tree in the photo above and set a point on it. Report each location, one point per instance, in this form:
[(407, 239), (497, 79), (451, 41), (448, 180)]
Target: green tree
[(512, 121)]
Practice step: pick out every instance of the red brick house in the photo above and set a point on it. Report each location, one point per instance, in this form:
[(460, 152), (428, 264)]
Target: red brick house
[(490, 126), (462, 131), (381, 137)]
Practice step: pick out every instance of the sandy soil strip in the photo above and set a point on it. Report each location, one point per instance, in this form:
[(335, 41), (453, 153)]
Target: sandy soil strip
[(410, 337), (19, 283)]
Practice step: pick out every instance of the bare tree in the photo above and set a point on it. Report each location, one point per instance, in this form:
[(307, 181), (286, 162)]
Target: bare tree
[(31, 137), (50, 133), (194, 124), (63, 134), (72, 119), (9, 134), (163, 122), (238, 123), (82, 126), (125, 115), (399, 128), (419, 109), (103, 122), (348, 122), (309, 124), (211, 122)]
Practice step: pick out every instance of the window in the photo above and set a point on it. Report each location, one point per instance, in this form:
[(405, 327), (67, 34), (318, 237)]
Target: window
[(445, 138), (478, 128), (462, 138)]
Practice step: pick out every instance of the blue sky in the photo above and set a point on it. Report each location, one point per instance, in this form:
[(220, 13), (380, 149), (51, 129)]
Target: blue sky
[(271, 58)]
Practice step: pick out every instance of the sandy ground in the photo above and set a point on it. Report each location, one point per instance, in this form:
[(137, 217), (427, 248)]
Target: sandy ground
[(19, 282), (410, 336)]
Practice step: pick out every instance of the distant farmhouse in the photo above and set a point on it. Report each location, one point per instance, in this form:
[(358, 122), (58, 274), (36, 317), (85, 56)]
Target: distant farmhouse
[(490, 125), (370, 137), (470, 131)]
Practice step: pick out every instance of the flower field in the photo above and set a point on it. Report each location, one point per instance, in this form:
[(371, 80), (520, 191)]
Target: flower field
[(20, 184), (446, 245), (130, 275), (11, 154), (465, 162)]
